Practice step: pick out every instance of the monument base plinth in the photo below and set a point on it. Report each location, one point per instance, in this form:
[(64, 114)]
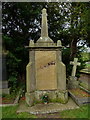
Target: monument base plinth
[(73, 82), (53, 96), (30, 97)]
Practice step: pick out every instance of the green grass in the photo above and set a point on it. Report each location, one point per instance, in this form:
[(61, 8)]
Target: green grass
[(87, 65), (85, 56), (10, 112), (82, 112), (0, 113)]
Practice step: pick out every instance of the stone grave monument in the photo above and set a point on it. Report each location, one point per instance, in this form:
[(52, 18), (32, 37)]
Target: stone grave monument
[(3, 82), (73, 82), (45, 72), (85, 79)]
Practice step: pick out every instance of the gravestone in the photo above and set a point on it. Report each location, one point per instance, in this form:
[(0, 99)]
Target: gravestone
[(3, 82), (73, 82), (45, 72), (85, 79)]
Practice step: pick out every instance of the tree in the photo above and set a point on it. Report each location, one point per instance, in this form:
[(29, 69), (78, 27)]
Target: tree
[(21, 23), (77, 31)]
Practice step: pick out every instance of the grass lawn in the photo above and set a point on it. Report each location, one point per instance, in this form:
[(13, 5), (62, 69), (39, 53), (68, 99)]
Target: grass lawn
[(10, 112), (82, 112)]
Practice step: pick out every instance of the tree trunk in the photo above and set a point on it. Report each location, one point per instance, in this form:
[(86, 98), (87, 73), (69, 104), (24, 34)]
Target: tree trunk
[(73, 48)]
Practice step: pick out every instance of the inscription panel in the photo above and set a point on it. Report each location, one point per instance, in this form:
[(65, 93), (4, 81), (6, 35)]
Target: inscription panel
[(45, 70)]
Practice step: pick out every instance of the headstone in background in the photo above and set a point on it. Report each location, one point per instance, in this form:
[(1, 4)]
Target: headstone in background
[(85, 79), (3, 82), (75, 64), (45, 72), (73, 82)]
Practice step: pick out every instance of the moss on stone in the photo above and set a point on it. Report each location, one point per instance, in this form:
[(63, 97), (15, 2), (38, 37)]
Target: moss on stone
[(62, 101), (59, 101), (85, 85)]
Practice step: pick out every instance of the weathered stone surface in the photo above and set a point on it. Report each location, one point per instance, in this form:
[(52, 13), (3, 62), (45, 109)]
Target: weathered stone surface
[(28, 76), (46, 73), (54, 95), (59, 43), (30, 73), (80, 101), (45, 70), (85, 85), (47, 108), (51, 94), (74, 63), (30, 98), (62, 96), (61, 76), (44, 30), (31, 43), (83, 88), (73, 82), (85, 79)]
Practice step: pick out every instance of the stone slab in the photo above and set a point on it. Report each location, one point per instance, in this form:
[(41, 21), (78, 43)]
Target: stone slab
[(88, 91), (73, 83), (80, 101), (85, 85), (47, 108), (45, 70), (84, 77)]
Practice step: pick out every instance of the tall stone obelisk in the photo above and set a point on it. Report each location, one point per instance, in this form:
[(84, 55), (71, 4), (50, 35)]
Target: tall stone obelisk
[(44, 30)]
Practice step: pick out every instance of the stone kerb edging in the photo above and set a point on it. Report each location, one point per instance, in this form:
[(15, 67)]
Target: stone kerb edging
[(80, 101), (15, 101), (50, 111), (84, 89)]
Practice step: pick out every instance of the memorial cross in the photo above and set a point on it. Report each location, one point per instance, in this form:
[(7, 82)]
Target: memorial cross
[(75, 64)]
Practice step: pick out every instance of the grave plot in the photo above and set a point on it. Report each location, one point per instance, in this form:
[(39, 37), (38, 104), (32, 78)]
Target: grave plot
[(11, 99), (7, 99), (79, 96), (85, 80)]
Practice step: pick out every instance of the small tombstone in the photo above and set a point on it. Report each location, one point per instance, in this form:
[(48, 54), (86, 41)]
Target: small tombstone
[(72, 82)]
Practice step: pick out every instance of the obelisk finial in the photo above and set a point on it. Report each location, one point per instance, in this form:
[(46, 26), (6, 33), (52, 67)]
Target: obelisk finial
[(44, 29)]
